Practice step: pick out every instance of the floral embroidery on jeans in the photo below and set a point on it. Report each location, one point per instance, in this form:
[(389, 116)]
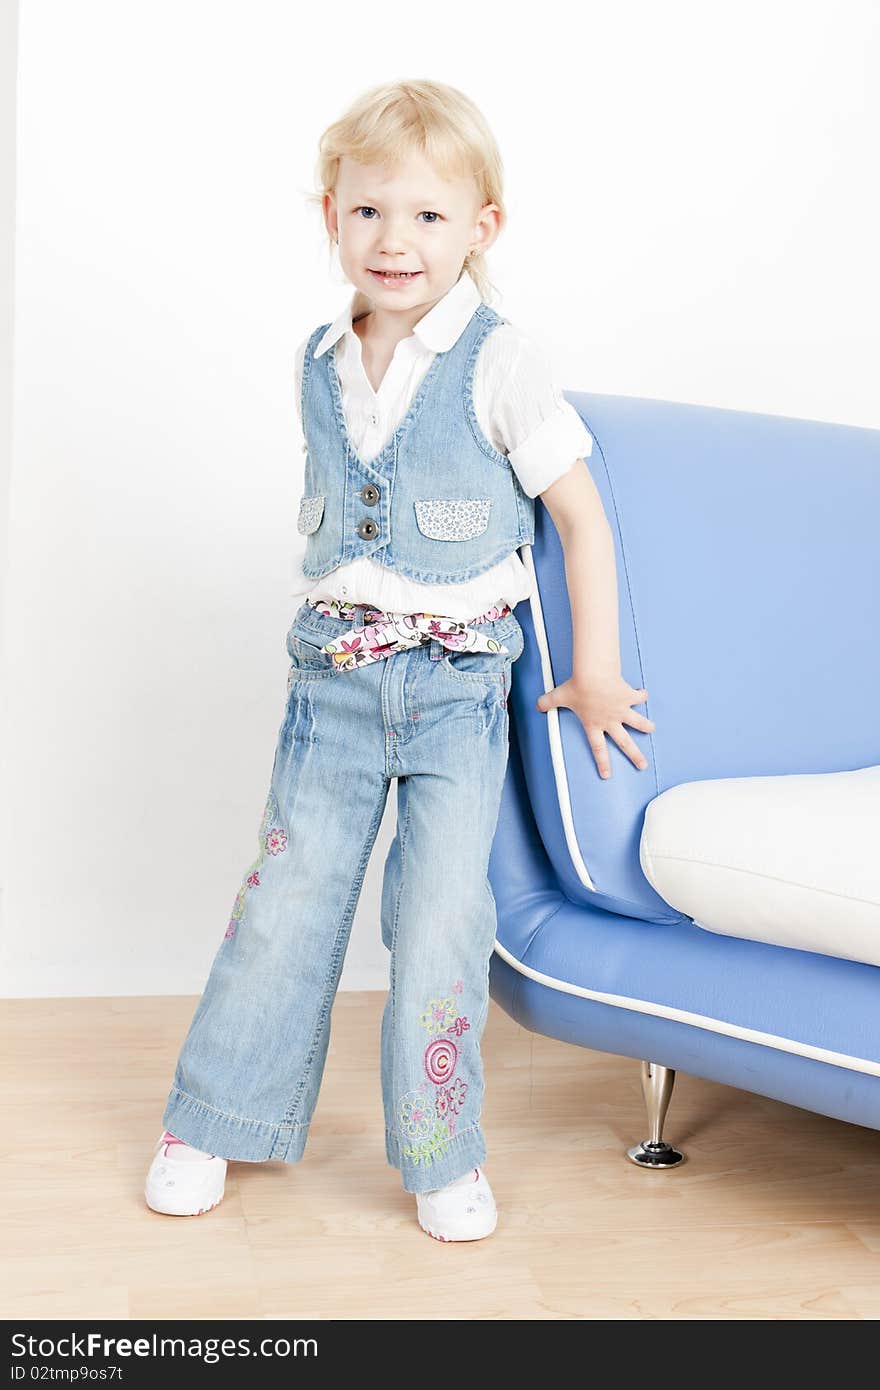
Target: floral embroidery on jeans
[(456, 1093), (416, 1115), (273, 840), (450, 1098), (439, 1015), (429, 1135), (428, 1115), (276, 840)]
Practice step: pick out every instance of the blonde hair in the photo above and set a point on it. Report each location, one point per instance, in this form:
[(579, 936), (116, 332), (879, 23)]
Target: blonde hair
[(388, 123)]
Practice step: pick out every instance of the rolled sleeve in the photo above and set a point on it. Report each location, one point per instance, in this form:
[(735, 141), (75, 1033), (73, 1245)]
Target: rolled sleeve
[(549, 452), (542, 433)]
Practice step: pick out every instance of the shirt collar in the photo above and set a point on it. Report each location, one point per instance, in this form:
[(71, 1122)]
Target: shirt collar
[(438, 330)]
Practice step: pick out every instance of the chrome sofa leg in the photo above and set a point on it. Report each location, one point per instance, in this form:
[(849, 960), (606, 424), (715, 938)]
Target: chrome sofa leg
[(657, 1083)]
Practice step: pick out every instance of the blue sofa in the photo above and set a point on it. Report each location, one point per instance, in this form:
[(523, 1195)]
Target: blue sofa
[(748, 582)]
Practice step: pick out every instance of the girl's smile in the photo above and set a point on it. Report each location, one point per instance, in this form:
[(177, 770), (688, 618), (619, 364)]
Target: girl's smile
[(394, 279)]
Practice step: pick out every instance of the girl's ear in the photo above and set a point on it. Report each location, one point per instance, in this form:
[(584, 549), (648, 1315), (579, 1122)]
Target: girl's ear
[(328, 207)]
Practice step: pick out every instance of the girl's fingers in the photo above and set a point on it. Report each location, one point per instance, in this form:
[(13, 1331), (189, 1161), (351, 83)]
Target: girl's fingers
[(639, 721), (600, 752), (627, 746)]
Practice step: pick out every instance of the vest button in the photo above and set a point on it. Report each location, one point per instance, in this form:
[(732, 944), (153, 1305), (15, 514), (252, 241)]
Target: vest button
[(370, 494), (367, 529)]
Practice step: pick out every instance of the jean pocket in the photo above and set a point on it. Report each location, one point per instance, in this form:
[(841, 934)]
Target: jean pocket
[(493, 667), (452, 518), (311, 510), (306, 657)]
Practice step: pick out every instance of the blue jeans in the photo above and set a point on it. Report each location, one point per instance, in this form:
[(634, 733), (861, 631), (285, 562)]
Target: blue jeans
[(248, 1074)]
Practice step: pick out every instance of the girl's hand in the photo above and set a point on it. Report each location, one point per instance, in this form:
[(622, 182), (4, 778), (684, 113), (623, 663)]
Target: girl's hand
[(603, 706)]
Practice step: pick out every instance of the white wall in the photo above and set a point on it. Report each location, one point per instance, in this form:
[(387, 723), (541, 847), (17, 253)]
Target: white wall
[(694, 216), (8, 45)]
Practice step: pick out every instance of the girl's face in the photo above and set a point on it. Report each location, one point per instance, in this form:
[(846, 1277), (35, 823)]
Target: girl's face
[(406, 219)]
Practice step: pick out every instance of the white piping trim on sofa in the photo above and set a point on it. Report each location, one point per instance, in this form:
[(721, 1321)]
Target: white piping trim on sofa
[(711, 1025), (552, 716)]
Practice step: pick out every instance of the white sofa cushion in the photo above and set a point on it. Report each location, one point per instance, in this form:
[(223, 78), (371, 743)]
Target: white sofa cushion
[(791, 860)]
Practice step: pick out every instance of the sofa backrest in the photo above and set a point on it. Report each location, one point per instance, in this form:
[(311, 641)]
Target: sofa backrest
[(748, 587)]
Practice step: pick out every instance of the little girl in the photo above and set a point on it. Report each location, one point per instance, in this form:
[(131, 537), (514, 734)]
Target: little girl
[(430, 425)]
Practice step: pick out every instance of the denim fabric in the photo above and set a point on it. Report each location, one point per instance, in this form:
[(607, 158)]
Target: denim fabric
[(438, 504), (248, 1074)]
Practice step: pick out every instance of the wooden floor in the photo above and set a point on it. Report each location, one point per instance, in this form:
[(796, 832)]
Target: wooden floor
[(775, 1214)]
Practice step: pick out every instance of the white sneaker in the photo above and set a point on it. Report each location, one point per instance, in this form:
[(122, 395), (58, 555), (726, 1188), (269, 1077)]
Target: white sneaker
[(183, 1187), (463, 1210)]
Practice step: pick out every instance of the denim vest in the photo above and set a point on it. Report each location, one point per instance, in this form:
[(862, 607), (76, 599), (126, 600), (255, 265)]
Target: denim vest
[(438, 504)]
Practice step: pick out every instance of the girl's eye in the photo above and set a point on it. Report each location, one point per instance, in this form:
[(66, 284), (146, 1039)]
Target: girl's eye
[(366, 208)]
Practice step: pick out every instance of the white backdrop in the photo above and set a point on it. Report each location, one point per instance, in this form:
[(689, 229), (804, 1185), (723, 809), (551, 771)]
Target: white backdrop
[(694, 216)]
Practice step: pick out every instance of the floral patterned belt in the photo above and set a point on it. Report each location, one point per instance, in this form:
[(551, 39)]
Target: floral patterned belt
[(381, 633)]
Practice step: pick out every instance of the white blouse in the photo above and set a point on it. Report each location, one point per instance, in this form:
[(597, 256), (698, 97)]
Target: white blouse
[(520, 409)]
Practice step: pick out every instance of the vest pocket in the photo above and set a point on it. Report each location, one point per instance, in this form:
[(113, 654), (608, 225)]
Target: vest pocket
[(311, 509), (452, 518)]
